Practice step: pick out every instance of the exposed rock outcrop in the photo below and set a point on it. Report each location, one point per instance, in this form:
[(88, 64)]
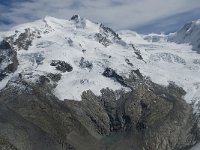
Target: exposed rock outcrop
[(103, 40), (61, 66), (85, 64), (8, 59), (23, 40)]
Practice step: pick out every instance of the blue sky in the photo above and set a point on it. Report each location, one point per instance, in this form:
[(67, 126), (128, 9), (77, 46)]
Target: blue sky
[(144, 16)]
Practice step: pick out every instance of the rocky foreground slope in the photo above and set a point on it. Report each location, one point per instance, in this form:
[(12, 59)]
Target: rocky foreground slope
[(78, 85)]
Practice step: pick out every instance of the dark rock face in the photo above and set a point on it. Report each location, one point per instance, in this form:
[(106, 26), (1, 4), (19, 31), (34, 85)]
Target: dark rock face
[(79, 21), (85, 64), (38, 119), (8, 60), (54, 77), (110, 73), (107, 36), (157, 113), (24, 40), (61, 66), (150, 117), (126, 82), (90, 113), (5, 145), (74, 17), (137, 52), (103, 39), (109, 32), (119, 121)]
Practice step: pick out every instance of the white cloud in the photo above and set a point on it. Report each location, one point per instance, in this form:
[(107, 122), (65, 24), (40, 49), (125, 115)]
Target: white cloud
[(120, 14)]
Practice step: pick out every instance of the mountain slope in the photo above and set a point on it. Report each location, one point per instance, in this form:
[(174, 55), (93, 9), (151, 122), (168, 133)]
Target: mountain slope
[(82, 86), (168, 61), (189, 33), (88, 47)]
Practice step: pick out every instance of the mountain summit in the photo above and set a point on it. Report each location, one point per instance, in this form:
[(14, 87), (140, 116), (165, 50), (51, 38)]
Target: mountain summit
[(53, 46), (79, 85), (189, 33)]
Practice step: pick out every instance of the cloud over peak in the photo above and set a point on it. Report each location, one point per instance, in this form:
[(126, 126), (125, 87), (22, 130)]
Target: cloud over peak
[(120, 14)]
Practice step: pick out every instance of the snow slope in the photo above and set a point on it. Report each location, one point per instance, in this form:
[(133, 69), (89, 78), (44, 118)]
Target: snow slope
[(70, 41), (90, 48)]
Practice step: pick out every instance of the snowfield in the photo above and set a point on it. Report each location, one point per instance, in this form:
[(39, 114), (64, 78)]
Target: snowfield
[(89, 48)]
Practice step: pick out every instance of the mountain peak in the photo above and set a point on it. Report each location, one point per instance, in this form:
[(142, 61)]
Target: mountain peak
[(89, 48), (79, 21), (75, 17), (189, 33)]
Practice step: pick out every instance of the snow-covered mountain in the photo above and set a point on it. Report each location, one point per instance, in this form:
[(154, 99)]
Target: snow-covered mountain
[(189, 33), (53, 46), (79, 55), (81, 51)]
